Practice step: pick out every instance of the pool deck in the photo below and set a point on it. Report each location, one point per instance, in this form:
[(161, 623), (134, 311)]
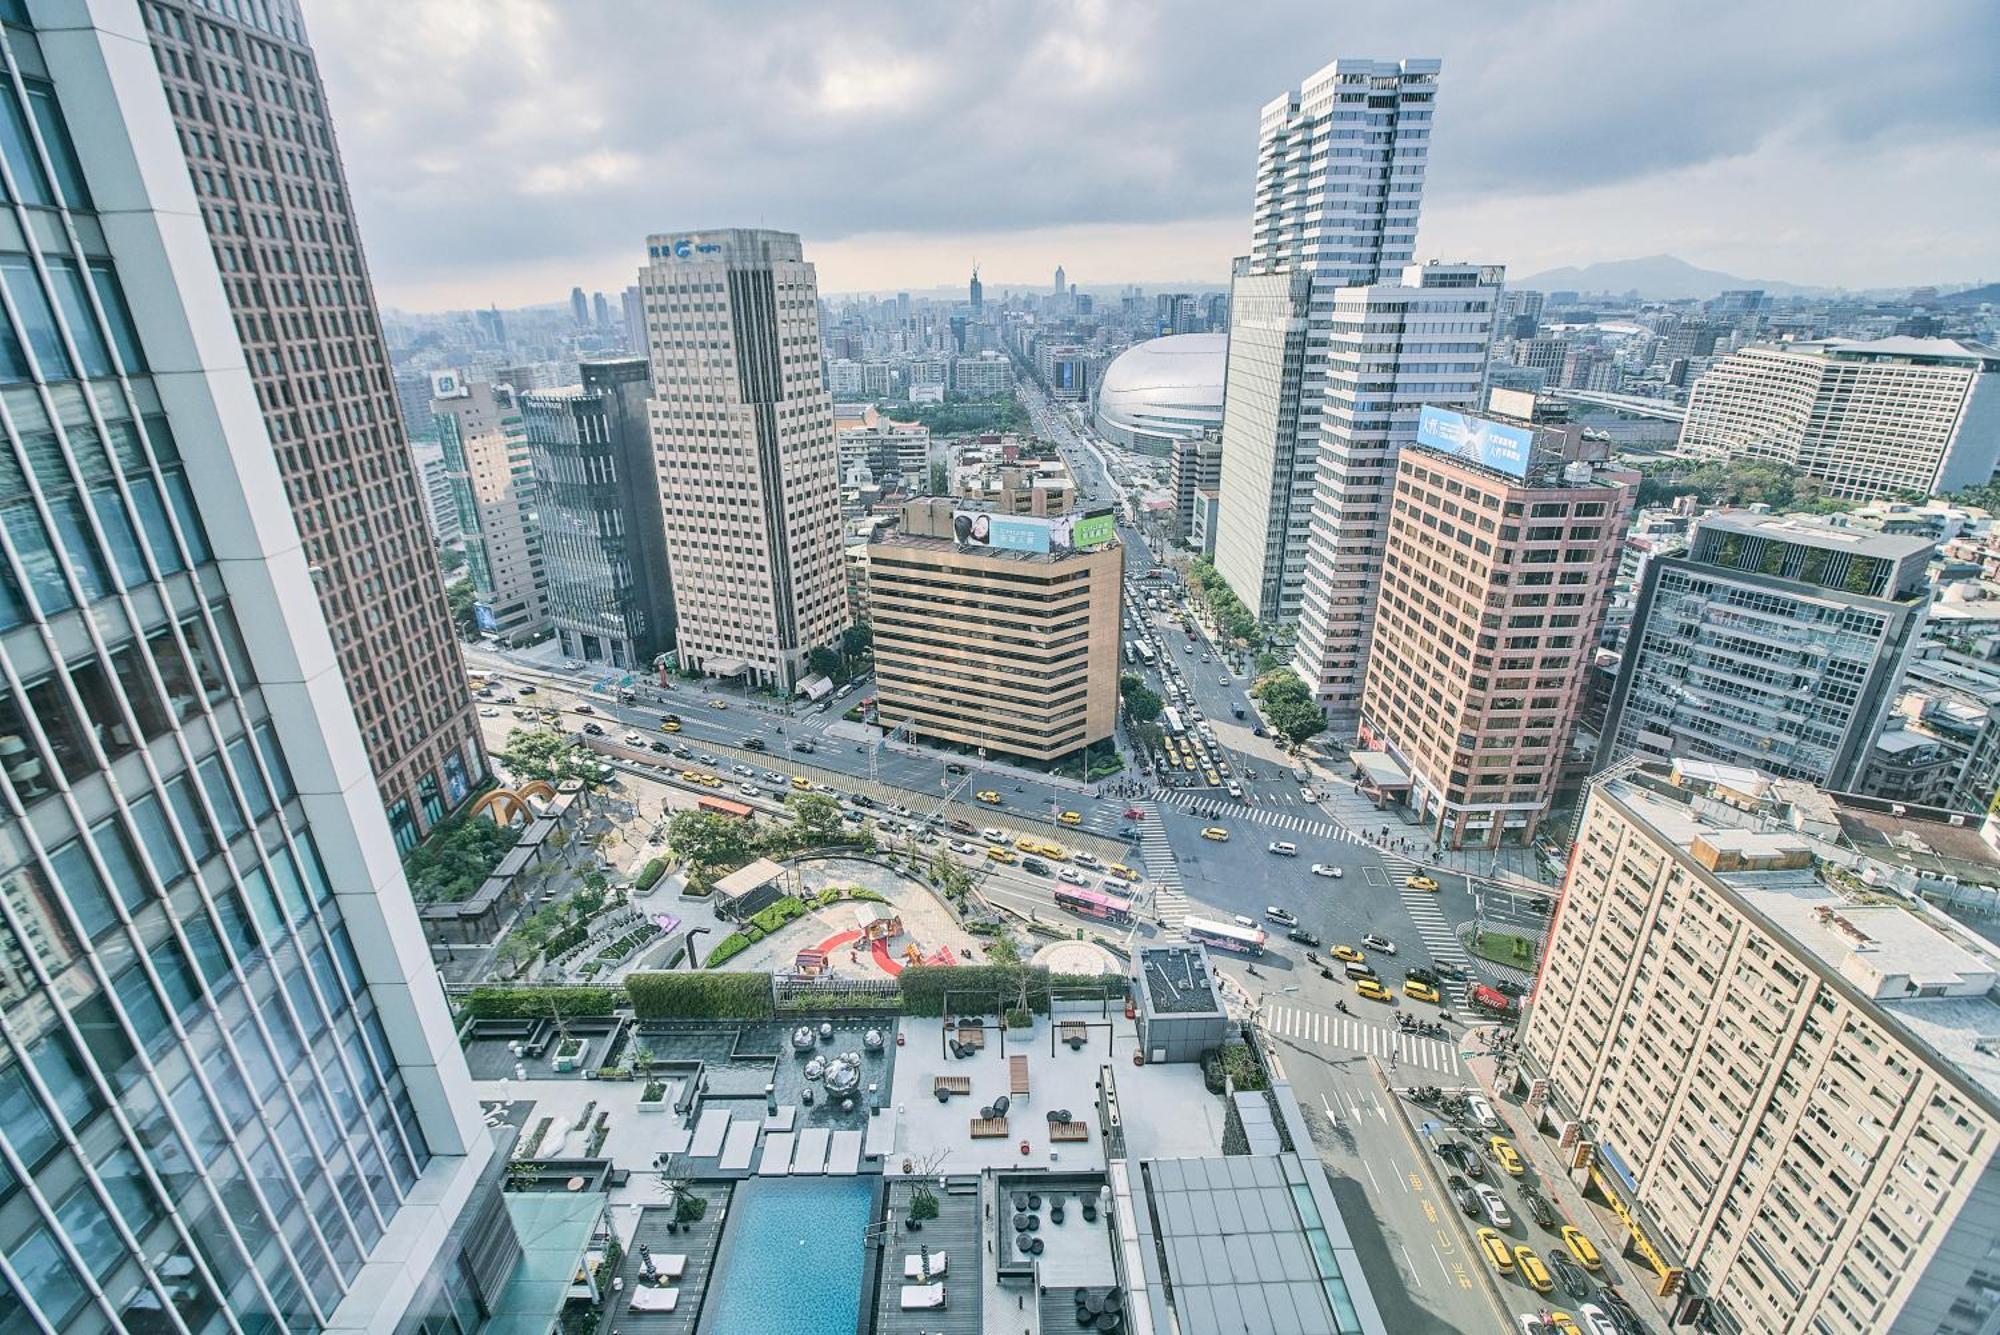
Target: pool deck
[(697, 1241), (956, 1233)]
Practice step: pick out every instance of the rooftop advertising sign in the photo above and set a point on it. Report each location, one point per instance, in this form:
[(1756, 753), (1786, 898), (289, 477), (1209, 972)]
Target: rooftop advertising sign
[(1504, 449)]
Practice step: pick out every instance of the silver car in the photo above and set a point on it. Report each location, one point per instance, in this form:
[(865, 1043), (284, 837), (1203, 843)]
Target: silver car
[(1494, 1205)]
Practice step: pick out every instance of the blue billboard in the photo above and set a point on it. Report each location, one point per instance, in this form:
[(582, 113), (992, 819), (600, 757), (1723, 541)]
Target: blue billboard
[(1494, 445)]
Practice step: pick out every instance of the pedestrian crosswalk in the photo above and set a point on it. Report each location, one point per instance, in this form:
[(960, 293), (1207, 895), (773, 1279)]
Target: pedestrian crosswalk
[(1305, 1027), (1211, 809), (1162, 870), (1439, 939)]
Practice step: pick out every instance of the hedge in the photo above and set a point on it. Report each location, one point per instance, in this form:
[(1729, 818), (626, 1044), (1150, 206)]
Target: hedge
[(728, 948), (650, 874), (700, 996), (538, 1003), (770, 918)]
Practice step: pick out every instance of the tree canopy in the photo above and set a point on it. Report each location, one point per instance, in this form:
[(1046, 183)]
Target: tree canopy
[(818, 815), (1289, 705), (1142, 702), (457, 858), (1732, 482), (1229, 612), (543, 753), (706, 840)]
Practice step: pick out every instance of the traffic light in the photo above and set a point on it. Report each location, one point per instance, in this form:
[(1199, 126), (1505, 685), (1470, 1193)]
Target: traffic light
[(1670, 1282)]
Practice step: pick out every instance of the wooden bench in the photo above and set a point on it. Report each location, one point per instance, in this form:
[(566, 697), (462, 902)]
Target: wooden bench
[(1017, 1077), (1061, 1131), (989, 1128), (972, 1036), (952, 1084)]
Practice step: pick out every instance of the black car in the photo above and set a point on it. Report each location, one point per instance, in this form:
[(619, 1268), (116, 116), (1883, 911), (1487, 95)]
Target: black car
[(1461, 1156), (1035, 865), (661, 747), (1302, 936), (754, 744), (670, 718), (1422, 975), (862, 800), (1508, 987), (1569, 1274), (955, 768), (593, 729), (1621, 1313), (803, 746), (1445, 969), (527, 688), (1462, 1192)]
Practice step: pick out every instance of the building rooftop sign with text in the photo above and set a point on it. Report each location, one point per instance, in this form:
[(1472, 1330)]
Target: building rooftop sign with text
[(1494, 445), (1027, 533)]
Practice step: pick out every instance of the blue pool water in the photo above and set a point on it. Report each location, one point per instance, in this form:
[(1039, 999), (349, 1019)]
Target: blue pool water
[(791, 1258)]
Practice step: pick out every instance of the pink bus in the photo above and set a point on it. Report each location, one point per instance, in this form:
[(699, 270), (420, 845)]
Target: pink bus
[(1094, 904)]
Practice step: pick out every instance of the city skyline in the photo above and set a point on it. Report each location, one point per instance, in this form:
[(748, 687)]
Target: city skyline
[(1135, 132)]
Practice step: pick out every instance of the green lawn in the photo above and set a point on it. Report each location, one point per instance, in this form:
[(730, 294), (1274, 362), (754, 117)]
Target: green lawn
[(1506, 948)]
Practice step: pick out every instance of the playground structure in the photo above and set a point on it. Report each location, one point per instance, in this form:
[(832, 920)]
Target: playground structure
[(508, 803)]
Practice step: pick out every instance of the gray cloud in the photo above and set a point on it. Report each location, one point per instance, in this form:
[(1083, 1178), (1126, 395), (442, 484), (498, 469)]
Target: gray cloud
[(489, 142)]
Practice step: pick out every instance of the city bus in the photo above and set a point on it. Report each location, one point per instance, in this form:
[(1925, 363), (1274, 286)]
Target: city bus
[(722, 806), (1170, 718), (1225, 936), (1146, 655), (1094, 904)]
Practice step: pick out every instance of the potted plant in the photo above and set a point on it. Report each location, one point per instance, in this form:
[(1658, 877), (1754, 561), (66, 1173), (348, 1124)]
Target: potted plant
[(569, 1054), (923, 1205), (653, 1098)]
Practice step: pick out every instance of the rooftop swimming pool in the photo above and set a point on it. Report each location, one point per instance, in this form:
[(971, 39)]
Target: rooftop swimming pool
[(791, 1261)]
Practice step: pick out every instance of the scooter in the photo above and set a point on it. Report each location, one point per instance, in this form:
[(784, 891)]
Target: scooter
[(1340, 1006)]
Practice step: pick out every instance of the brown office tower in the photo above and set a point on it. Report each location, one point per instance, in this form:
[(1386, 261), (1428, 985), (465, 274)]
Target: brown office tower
[(247, 100), (1503, 541)]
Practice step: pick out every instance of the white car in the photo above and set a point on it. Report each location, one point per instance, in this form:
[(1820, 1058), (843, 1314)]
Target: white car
[(750, 790), (1596, 1320), (1375, 941), (1073, 876), (1494, 1204), (1482, 1112), (993, 834), (1284, 848), (964, 849), (772, 776), (635, 739), (1285, 917), (745, 771), (1308, 795), (1328, 869), (1242, 921), (1083, 859)]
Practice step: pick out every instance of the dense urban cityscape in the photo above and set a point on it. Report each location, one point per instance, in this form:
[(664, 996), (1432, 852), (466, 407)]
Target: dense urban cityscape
[(1371, 794)]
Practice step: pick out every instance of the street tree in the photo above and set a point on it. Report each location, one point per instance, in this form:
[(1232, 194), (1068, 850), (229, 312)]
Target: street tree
[(543, 753), (816, 814), (1142, 702), (705, 840)]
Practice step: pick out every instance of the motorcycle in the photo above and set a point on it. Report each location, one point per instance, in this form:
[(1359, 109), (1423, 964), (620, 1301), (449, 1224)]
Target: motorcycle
[(1340, 1006)]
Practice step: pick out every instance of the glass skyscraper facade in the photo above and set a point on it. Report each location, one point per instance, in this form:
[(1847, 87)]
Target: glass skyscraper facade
[(229, 1097)]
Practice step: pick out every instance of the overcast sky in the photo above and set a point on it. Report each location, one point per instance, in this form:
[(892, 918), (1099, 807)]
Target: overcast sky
[(503, 150)]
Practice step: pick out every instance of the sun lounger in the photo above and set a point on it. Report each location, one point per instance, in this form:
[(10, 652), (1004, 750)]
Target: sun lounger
[(1017, 1077), (671, 1265), (1061, 1131), (952, 1084), (989, 1128), (917, 1297), (645, 1299), (913, 1265)]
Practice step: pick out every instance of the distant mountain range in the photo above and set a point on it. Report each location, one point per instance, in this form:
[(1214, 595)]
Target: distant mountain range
[(1660, 277)]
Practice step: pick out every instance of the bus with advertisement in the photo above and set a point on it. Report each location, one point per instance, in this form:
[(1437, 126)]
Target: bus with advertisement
[(1225, 936), (1094, 904)]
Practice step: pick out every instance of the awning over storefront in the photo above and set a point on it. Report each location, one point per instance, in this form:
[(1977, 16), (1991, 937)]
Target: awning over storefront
[(816, 688), (725, 667), (1381, 771)]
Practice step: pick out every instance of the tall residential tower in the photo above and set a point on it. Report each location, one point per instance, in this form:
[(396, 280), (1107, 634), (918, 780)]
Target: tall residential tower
[(232, 1096), (250, 114), (743, 439)]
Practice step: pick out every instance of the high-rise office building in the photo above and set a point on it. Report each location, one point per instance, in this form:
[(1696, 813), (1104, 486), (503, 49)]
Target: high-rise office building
[(743, 437), (633, 309), (1862, 419), (1194, 467), (994, 632), (1503, 543), (232, 1096), (1062, 282), (600, 310), (1771, 643), (597, 509), (492, 480), (250, 114), (579, 308), (976, 293), (1779, 1077), (1340, 176), (1391, 351)]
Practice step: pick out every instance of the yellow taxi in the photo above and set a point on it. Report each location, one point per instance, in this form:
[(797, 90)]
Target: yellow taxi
[(1217, 833), (550, 717), (1507, 1156), (711, 781), (1028, 844), (1564, 1323), (1187, 760), (1421, 883), (1418, 990), (1070, 818), (990, 798), (1211, 778), (690, 776), (1053, 852), (999, 854), (1345, 952), (1580, 1247), (670, 726), (1121, 871), (1496, 1249), (718, 703), (802, 783), (1373, 990), (1533, 1272)]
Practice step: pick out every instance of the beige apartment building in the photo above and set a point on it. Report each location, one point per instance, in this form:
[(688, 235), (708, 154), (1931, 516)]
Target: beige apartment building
[(1495, 579), (1781, 1072), (493, 491), (1011, 651)]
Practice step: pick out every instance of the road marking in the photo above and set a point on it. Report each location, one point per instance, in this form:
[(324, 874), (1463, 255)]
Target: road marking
[(1440, 1260), (1371, 1176), (1410, 1265)]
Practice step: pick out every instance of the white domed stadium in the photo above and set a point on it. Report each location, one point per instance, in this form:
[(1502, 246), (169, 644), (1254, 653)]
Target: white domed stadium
[(1162, 390)]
